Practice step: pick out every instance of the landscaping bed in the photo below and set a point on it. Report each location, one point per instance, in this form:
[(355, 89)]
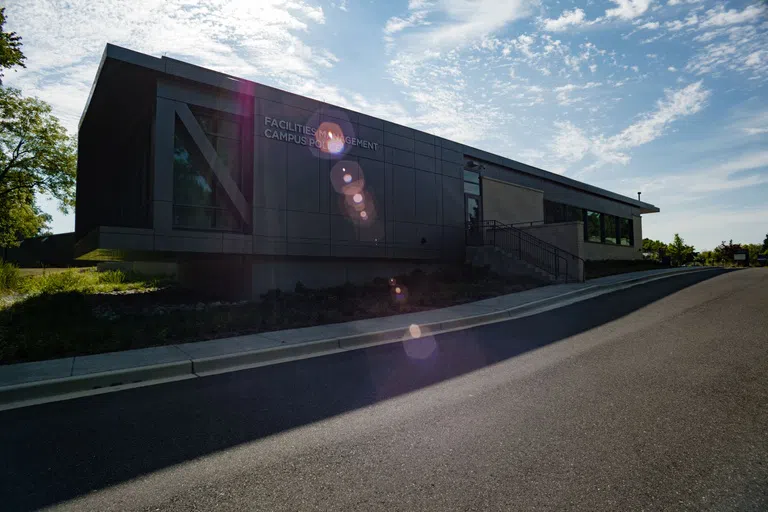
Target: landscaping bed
[(67, 320)]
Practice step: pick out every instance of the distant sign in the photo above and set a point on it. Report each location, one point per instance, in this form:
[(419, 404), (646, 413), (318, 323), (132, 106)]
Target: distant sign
[(740, 257)]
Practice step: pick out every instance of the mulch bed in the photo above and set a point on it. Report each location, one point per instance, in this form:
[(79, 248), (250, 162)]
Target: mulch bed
[(65, 324)]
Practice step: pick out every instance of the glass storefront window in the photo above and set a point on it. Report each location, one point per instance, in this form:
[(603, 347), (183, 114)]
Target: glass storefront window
[(558, 212), (573, 213), (199, 200), (471, 188), (626, 235), (471, 177), (610, 229), (592, 227)]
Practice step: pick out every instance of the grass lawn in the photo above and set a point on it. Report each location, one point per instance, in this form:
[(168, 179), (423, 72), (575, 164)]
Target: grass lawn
[(80, 312), (27, 272)]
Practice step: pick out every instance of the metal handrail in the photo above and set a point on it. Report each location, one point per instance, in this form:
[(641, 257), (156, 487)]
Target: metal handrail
[(529, 223), (525, 246)]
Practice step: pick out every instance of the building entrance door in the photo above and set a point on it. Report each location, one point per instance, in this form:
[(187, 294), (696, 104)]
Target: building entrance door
[(473, 219), (473, 208)]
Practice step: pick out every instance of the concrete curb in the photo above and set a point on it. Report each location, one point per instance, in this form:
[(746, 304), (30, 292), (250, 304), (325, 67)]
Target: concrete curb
[(70, 387), (96, 381)]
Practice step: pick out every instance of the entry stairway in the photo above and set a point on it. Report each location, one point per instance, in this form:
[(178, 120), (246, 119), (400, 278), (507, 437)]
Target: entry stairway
[(510, 251)]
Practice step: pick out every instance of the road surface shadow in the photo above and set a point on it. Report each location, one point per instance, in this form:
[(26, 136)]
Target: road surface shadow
[(58, 451)]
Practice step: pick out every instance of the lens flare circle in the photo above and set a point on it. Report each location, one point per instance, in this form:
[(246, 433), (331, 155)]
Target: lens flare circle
[(347, 178), (329, 138), (420, 348)]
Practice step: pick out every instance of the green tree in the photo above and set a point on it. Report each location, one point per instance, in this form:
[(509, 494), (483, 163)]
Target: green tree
[(705, 258), (10, 48), (725, 252), (656, 248), (21, 218), (754, 251), (679, 252), (36, 156), (765, 244)]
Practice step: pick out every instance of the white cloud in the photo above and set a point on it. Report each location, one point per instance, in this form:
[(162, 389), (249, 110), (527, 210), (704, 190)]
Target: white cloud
[(756, 59), (719, 17), (571, 144), (563, 92), (261, 42), (676, 25), (742, 51), (753, 123), (746, 162), (463, 21), (567, 19), (672, 69), (628, 9), (396, 24), (678, 2), (651, 25), (652, 39), (676, 104), (734, 174)]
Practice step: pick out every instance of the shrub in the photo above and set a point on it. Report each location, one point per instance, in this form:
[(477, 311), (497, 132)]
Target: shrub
[(68, 281), (10, 278), (112, 277)]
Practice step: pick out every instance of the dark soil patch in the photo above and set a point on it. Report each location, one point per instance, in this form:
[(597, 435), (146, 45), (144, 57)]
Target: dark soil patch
[(50, 326)]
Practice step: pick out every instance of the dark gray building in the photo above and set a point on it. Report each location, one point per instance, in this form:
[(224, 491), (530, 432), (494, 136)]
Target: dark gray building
[(248, 187)]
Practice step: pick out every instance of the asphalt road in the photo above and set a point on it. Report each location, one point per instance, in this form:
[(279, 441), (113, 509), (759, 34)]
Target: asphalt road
[(650, 398)]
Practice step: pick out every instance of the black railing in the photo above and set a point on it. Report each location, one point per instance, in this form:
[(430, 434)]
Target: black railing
[(524, 246), (528, 224)]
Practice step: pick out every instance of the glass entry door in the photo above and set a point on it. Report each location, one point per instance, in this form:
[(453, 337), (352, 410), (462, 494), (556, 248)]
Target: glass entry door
[(473, 218), (473, 207)]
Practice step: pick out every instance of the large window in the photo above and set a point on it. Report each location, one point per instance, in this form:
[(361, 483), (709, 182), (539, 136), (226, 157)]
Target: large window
[(626, 232), (471, 183), (611, 226), (558, 212), (200, 201), (608, 229), (593, 231)]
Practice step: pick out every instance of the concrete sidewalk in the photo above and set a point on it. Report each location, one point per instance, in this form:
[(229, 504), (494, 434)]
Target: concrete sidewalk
[(28, 383)]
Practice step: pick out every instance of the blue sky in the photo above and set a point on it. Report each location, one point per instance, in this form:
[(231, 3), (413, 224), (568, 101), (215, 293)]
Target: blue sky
[(667, 97)]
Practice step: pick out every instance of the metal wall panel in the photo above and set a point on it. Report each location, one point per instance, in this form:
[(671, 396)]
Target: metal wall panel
[(413, 180)]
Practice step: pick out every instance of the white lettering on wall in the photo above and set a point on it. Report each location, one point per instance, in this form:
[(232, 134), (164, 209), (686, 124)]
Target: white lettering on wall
[(288, 131)]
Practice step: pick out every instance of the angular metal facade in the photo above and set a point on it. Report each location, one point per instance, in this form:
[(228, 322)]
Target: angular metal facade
[(285, 196)]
